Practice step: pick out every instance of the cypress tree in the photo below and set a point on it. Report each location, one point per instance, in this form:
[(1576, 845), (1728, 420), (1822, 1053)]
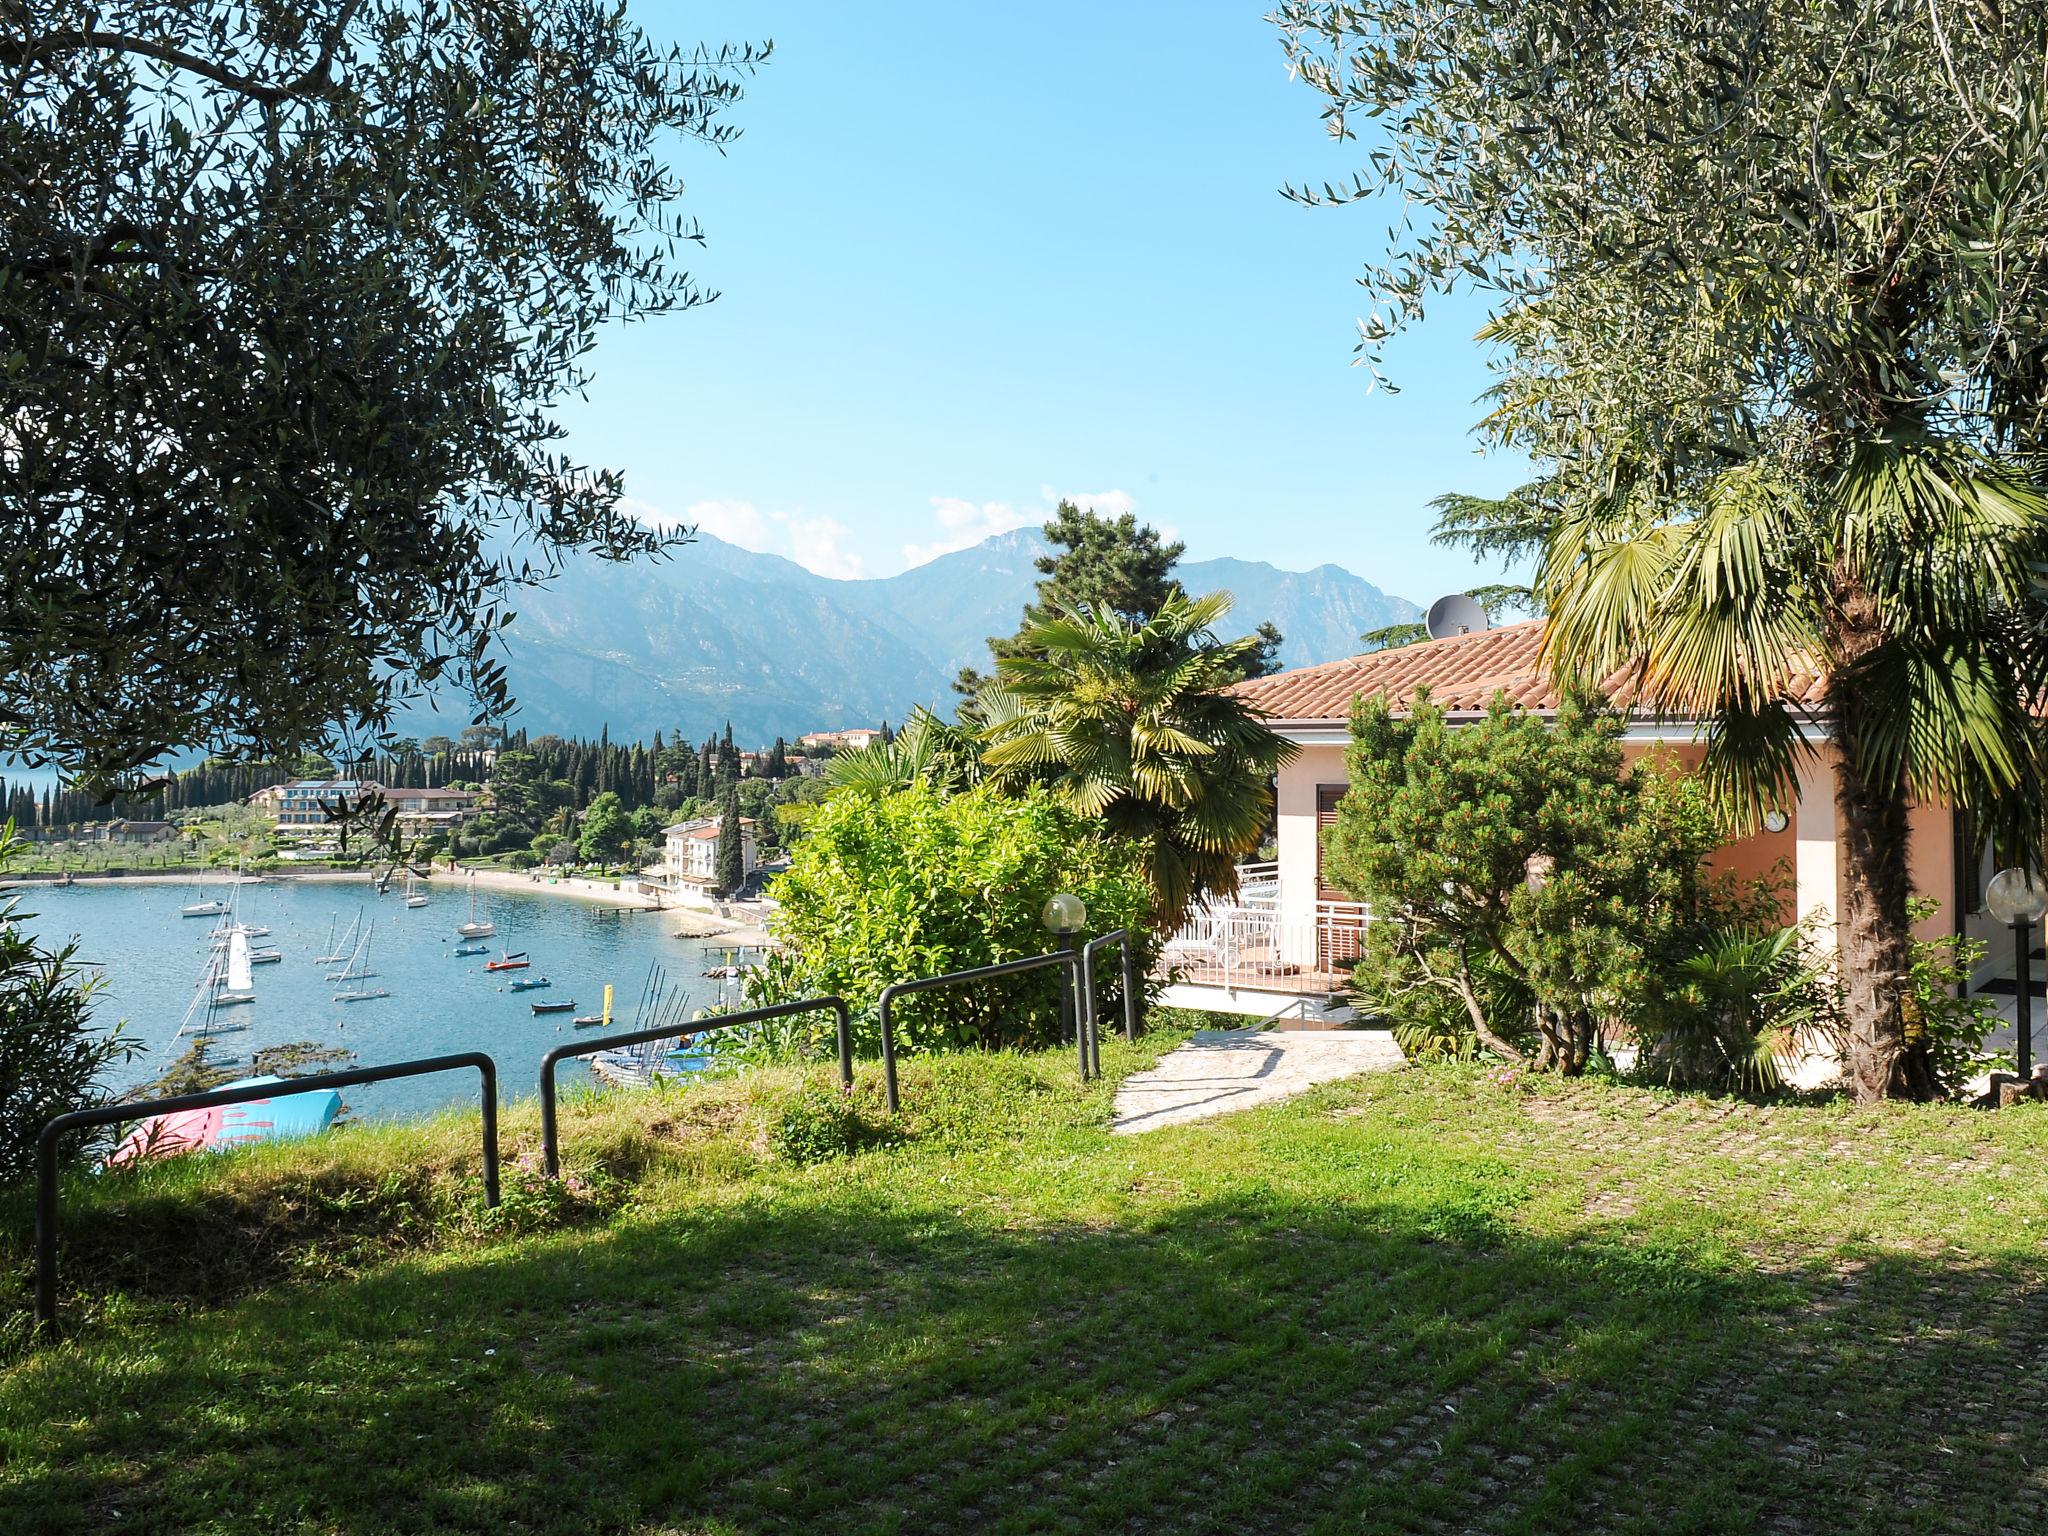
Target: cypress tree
[(732, 869)]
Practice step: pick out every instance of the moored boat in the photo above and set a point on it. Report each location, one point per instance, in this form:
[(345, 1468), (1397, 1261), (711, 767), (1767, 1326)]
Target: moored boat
[(562, 1007), (517, 962), (479, 925), (530, 984)]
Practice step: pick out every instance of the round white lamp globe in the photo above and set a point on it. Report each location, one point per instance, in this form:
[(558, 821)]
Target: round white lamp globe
[(2016, 896), (1064, 913)]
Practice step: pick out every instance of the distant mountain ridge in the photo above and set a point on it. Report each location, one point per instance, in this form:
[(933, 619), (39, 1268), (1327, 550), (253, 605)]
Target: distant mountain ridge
[(717, 633)]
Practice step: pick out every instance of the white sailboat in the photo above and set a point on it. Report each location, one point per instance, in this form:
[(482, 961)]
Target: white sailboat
[(203, 907), (346, 949), (357, 970), (236, 985), (479, 925), (415, 893)]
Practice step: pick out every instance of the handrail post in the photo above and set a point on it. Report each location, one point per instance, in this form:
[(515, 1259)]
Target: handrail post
[(888, 1027), (1071, 996), (487, 1093), (550, 1129), (550, 1137), (117, 1114), (1130, 964)]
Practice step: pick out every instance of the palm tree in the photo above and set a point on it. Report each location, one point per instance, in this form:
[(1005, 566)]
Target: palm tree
[(1131, 718), (927, 749), (1903, 577)]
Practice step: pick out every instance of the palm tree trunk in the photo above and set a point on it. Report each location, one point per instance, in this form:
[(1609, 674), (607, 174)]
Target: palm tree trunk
[(1876, 935)]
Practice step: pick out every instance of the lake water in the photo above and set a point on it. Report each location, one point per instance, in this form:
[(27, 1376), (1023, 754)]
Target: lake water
[(152, 958)]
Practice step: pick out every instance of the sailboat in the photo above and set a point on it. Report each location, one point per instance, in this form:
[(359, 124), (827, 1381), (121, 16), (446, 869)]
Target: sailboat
[(358, 969), (415, 893), (357, 955), (236, 985), (508, 962), (346, 949), (202, 907), (479, 925)]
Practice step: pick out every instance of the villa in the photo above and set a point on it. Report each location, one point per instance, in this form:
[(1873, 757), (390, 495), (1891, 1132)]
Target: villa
[(297, 804), (1280, 947), (690, 851), (854, 739)]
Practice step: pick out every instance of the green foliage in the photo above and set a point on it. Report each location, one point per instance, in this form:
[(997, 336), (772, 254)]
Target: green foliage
[(1131, 721), (1774, 329), (1943, 1018), (885, 888), (292, 294), (51, 1054), (1518, 875), (607, 831), (732, 850), (1749, 1002), (821, 1123), (927, 750)]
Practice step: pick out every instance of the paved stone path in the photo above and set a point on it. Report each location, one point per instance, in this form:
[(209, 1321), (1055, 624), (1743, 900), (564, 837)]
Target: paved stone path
[(1224, 1070)]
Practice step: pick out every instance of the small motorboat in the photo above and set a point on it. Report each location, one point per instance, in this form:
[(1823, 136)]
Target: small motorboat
[(517, 962), (472, 949), (553, 1007), (265, 956), (530, 984), (586, 1020)]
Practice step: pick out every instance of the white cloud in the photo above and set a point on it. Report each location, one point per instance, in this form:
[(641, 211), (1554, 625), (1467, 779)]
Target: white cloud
[(964, 524), (1102, 503), (817, 543)]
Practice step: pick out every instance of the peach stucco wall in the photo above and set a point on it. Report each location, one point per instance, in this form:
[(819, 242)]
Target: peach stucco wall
[(1806, 851)]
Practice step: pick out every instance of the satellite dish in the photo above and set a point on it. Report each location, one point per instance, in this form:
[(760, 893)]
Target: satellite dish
[(1455, 615)]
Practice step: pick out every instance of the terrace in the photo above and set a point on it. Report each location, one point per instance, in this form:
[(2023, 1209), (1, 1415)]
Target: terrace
[(1276, 950)]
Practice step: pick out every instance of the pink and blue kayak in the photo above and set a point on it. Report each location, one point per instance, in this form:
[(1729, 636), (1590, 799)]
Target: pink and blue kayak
[(219, 1127)]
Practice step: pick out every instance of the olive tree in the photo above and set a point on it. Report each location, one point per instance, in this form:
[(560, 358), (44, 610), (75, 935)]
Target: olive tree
[(1770, 297), (289, 293)]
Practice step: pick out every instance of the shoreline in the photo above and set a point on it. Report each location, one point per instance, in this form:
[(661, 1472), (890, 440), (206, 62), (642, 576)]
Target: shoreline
[(690, 922)]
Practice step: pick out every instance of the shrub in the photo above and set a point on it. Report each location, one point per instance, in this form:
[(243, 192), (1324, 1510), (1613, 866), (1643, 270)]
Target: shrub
[(819, 1124), (885, 888), (51, 1055), (1747, 1003), (1527, 888), (1940, 1012)]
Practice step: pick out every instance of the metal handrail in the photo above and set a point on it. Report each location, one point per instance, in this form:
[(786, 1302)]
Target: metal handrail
[(115, 1114), (549, 1135), (1120, 936), (1069, 958)]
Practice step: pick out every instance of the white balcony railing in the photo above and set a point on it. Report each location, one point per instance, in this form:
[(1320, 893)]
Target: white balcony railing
[(1251, 945)]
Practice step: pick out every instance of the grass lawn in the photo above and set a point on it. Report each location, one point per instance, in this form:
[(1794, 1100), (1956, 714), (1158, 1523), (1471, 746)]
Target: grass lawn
[(1421, 1302)]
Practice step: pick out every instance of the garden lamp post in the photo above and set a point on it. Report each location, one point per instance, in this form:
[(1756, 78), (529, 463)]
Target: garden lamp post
[(1064, 916), (2017, 897)]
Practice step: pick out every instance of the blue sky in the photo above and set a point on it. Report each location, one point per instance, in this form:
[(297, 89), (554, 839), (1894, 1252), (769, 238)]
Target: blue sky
[(972, 258)]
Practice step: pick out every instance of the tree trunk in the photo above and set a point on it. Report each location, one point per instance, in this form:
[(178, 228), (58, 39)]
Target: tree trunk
[(1875, 955)]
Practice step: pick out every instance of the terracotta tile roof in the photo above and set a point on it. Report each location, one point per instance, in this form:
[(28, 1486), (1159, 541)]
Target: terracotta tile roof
[(1462, 673)]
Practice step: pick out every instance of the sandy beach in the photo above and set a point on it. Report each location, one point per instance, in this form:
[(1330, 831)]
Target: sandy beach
[(746, 926)]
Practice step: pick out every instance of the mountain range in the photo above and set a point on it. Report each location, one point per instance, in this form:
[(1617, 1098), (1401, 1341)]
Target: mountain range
[(716, 633)]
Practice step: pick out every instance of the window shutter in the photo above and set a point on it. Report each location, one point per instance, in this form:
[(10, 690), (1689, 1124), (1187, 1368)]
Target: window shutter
[(1327, 796)]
